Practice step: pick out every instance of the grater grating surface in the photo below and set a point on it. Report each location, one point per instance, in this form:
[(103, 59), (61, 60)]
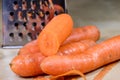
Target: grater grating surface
[(23, 20)]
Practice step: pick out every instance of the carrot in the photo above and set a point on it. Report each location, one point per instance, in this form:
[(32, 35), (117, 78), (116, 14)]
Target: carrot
[(76, 35), (75, 47), (27, 65), (30, 47), (82, 33), (54, 33), (29, 53), (103, 53)]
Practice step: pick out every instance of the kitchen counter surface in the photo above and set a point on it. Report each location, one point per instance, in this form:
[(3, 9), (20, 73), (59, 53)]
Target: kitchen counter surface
[(105, 14)]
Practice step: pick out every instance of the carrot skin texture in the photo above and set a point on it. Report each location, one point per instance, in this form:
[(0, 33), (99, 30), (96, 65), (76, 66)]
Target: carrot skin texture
[(83, 33), (54, 33), (93, 58), (75, 47), (27, 65), (31, 50), (30, 47), (76, 35)]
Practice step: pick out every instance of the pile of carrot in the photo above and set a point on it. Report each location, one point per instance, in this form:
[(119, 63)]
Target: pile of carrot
[(61, 50)]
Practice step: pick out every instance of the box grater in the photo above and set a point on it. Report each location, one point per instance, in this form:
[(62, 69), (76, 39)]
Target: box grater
[(23, 20)]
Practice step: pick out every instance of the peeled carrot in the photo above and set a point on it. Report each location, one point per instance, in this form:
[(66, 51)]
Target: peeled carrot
[(30, 47), (82, 33), (54, 33), (76, 35), (103, 53), (27, 65), (30, 59), (75, 47)]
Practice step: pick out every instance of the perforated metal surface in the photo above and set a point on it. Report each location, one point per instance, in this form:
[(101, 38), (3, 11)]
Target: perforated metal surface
[(23, 20)]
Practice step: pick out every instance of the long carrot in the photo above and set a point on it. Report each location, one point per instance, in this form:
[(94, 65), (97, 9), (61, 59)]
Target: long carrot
[(27, 65), (78, 34), (54, 33), (82, 33), (30, 59), (75, 47), (30, 47), (106, 52)]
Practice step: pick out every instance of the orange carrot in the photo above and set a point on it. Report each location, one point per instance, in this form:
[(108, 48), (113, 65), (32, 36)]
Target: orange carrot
[(30, 47), (85, 32), (106, 52), (31, 58), (75, 47), (27, 65), (54, 33), (77, 35)]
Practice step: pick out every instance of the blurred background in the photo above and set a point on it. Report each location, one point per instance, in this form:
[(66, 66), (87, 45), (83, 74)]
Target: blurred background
[(86, 12)]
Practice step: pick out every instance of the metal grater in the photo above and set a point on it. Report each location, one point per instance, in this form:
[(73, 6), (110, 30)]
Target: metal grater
[(23, 20)]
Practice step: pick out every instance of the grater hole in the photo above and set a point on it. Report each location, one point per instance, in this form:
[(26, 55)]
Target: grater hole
[(23, 2), (16, 24), (11, 13), (29, 34), (34, 24), (11, 35), (56, 13), (47, 12), (33, 2), (20, 35), (25, 24), (11, 17), (15, 2), (43, 23)]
